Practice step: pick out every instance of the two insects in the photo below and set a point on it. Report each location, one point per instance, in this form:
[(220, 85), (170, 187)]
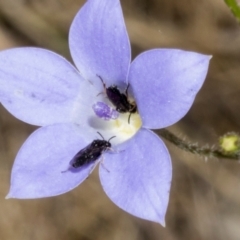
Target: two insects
[(95, 149), (120, 100)]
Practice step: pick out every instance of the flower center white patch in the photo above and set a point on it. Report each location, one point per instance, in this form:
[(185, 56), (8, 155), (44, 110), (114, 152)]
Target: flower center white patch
[(122, 127), (126, 127)]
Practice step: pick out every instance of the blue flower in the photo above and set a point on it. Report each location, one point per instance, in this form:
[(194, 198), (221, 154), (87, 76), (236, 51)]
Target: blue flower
[(42, 88)]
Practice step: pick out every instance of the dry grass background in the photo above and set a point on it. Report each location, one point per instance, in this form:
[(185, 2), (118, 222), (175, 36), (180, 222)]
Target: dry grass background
[(205, 195)]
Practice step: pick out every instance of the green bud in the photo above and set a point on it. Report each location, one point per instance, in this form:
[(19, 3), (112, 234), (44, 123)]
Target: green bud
[(230, 143)]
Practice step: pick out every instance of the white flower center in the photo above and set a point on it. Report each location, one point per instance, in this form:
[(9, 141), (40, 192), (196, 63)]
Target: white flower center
[(122, 127)]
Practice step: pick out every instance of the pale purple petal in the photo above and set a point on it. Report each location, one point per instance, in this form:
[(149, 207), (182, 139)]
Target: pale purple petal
[(104, 111), (40, 87), (139, 176), (39, 165), (99, 42), (165, 83)]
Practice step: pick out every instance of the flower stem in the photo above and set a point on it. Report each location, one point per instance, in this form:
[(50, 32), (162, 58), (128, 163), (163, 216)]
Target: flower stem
[(205, 151), (234, 7)]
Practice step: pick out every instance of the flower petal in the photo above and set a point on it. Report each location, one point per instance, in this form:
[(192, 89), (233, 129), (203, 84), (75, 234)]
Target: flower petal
[(40, 87), (39, 167), (139, 176), (165, 83), (99, 42)]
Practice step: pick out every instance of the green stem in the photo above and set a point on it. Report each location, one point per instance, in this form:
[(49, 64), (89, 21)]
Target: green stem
[(234, 7), (205, 151)]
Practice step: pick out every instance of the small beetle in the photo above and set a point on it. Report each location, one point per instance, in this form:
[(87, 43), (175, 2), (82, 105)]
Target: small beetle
[(90, 153), (120, 100)]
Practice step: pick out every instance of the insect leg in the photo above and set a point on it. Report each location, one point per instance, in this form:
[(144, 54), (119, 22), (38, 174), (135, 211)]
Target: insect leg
[(133, 109), (65, 170), (126, 91), (104, 85), (115, 151), (101, 162), (93, 167), (129, 118)]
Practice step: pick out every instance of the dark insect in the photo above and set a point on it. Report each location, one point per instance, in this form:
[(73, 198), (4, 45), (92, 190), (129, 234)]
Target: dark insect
[(120, 100), (91, 152)]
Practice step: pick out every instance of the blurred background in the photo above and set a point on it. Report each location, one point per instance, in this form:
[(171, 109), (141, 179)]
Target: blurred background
[(205, 194)]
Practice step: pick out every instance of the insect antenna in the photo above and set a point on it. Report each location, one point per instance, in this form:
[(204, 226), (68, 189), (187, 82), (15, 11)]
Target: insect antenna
[(101, 135), (111, 138)]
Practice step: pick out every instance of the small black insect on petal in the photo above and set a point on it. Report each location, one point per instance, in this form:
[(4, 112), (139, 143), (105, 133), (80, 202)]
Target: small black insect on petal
[(119, 100), (91, 152)]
